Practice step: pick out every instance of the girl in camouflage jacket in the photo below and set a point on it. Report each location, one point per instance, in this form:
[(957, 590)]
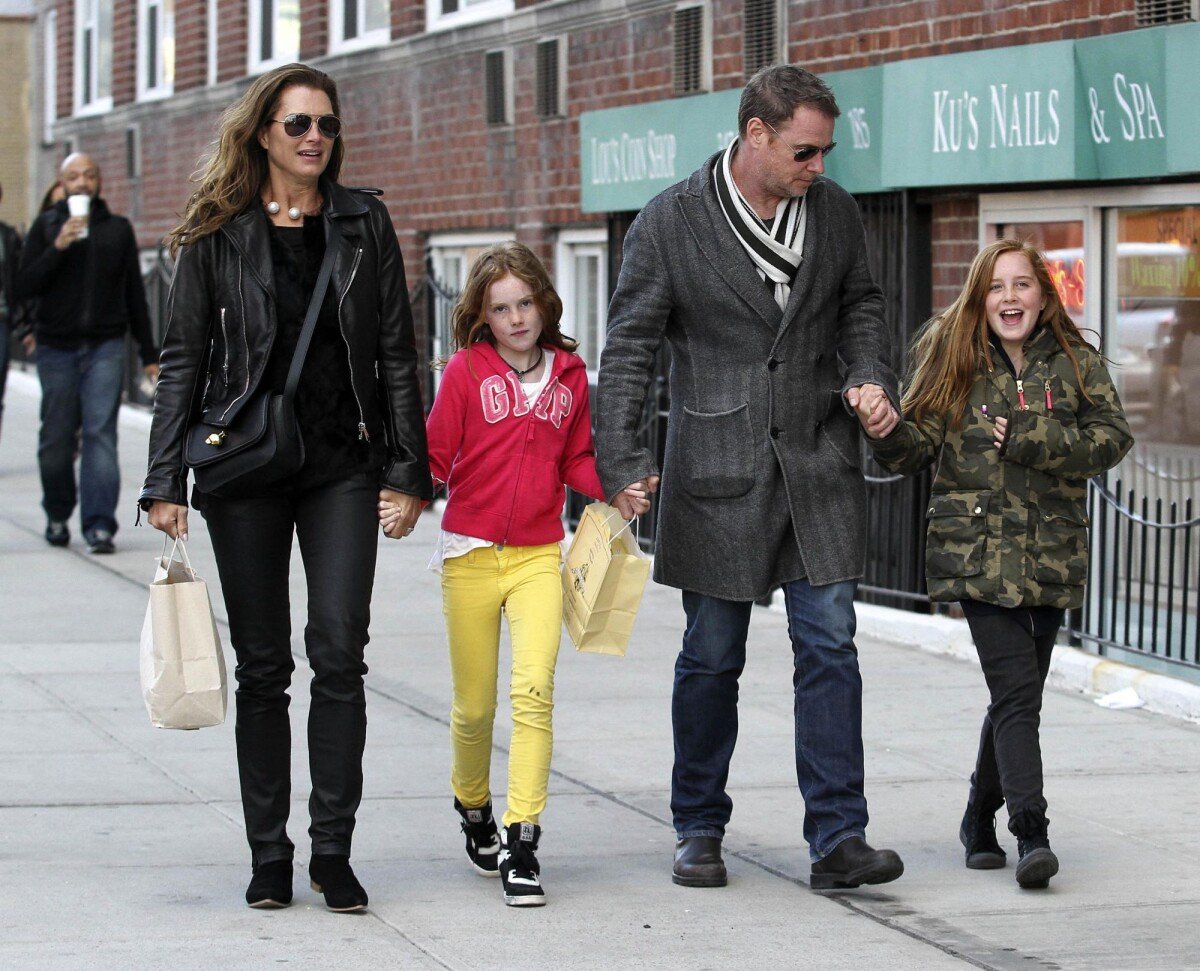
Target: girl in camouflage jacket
[(1018, 411)]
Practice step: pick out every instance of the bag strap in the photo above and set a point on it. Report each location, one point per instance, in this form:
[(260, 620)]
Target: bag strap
[(179, 546), (310, 319)]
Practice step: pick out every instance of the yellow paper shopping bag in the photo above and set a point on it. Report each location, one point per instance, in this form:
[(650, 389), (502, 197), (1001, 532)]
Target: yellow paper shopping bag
[(604, 576)]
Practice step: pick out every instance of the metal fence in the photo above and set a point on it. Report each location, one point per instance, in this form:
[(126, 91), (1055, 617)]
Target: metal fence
[(1144, 581)]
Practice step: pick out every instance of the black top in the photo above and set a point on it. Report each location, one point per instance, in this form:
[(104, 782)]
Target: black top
[(91, 291), (326, 409)]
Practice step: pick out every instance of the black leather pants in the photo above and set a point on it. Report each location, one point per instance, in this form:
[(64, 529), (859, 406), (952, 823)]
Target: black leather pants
[(337, 527)]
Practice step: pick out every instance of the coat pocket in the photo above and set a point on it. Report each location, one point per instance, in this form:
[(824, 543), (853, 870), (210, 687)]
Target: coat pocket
[(716, 453), (1060, 542), (957, 534)]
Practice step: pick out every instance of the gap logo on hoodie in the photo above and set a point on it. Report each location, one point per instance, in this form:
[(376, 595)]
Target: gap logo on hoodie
[(502, 396)]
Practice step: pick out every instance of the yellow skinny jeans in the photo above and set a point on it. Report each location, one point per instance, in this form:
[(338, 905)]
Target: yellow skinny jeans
[(522, 582)]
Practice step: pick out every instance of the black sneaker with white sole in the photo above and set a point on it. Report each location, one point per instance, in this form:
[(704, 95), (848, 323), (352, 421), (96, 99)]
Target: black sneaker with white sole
[(519, 867), (483, 839)]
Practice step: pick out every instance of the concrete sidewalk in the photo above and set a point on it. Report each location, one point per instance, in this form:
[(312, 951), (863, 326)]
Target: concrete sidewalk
[(121, 846)]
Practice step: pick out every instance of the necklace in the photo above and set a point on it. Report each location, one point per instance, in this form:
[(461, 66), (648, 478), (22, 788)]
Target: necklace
[(521, 374), (293, 213)]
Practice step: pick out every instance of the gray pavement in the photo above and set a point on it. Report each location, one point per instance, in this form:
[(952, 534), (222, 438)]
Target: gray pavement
[(121, 845)]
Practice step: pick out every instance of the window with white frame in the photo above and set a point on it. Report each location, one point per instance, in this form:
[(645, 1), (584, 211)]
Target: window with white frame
[(444, 14), (210, 42), (274, 33), (581, 277), (49, 76), (93, 55), (156, 48), (451, 255), (359, 23)]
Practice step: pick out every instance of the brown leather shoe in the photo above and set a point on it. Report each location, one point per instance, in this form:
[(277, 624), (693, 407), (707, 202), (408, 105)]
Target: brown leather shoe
[(852, 863), (698, 862)]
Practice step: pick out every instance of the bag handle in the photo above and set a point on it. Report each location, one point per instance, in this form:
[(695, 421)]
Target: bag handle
[(636, 522), (310, 318), (179, 545)]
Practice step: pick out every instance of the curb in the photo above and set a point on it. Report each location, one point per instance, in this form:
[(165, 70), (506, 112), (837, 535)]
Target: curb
[(1071, 669)]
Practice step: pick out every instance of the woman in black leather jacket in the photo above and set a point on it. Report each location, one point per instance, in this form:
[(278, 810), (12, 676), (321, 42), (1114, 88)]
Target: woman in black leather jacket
[(252, 239)]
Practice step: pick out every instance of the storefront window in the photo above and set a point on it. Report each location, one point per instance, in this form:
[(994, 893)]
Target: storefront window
[(1157, 348)]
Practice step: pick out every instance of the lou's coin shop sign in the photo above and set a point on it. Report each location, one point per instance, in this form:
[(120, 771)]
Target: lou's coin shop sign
[(1116, 107)]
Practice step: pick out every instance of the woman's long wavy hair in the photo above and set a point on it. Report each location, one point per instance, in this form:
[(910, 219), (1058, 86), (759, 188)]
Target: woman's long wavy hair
[(236, 166), (953, 347), (468, 321)]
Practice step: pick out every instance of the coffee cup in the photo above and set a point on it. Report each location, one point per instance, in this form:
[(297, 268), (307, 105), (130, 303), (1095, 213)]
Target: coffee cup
[(80, 205)]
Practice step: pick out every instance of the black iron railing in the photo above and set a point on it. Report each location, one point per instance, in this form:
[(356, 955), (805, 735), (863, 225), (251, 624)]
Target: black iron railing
[(1144, 583)]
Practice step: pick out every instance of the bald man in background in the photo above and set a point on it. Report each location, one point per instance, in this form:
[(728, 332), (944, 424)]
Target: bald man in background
[(85, 273)]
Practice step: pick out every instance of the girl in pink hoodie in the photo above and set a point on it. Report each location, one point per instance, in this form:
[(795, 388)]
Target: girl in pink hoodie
[(510, 426)]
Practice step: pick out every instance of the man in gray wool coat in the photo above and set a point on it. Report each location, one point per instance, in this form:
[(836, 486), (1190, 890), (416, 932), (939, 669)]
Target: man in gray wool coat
[(754, 270)]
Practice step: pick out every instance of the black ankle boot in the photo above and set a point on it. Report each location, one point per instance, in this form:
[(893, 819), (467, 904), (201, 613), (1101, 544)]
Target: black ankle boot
[(978, 836), (332, 876), (483, 839), (1038, 862), (271, 885)]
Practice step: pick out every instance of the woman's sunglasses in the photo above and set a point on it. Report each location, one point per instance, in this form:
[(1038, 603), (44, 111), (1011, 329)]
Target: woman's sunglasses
[(297, 125)]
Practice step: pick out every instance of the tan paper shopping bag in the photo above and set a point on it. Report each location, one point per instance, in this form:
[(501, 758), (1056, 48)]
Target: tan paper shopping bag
[(182, 664), (604, 576)]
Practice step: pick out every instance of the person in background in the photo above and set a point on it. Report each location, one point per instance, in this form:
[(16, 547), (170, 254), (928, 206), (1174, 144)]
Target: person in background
[(253, 238), (1018, 411), (85, 274), (12, 309)]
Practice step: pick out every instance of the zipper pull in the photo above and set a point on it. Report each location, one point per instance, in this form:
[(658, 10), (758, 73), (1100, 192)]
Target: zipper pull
[(363, 435), (1049, 398), (1021, 405)]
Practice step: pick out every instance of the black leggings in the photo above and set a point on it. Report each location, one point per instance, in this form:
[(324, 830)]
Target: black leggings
[(1014, 650), (337, 527)]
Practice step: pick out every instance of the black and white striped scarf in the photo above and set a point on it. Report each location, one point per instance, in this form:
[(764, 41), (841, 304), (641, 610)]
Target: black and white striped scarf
[(775, 251)]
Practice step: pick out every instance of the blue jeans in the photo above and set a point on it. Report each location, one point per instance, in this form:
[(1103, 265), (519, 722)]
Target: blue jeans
[(828, 712), (81, 392)]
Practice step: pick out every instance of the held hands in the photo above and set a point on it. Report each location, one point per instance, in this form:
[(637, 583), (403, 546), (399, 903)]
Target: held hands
[(875, 412), (398, 513), (634, 499), (70, 232), (170, 518)]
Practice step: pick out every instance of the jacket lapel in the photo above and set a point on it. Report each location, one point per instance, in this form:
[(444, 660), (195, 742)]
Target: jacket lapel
[(815, 229), (248, 231), (724, 251)]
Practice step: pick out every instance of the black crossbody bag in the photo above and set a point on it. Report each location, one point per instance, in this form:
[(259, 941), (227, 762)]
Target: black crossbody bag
[(263, 443)]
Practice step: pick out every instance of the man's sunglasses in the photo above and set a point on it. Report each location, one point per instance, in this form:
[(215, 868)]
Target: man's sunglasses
[(805, 152), (297, 125)]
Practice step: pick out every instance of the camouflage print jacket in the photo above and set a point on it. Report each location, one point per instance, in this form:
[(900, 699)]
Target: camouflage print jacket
[(1009, 526)]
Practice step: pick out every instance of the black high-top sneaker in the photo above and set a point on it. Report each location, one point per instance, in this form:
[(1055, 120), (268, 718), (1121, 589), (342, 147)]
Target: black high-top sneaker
[(978, 836), (1038, 862), (519, 867), (483, 840)]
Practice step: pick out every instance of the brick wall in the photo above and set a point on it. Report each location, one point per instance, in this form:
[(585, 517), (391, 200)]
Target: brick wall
[(16, 35), (65, 54), (191, 44), (314, 28), (231, 42), (835, 35), (416, 127), (124, 52), (955, 234)]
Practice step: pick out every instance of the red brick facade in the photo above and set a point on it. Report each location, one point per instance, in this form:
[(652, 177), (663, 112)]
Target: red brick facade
[(415, 112)]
